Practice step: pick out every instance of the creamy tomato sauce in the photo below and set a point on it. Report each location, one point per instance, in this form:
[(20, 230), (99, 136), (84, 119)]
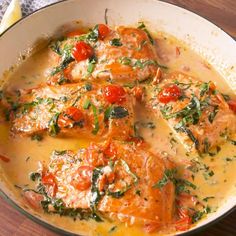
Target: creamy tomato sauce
[(208, 172)]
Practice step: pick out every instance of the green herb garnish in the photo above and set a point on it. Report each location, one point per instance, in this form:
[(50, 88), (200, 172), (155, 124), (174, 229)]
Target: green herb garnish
[(53, 126), (116, 42)]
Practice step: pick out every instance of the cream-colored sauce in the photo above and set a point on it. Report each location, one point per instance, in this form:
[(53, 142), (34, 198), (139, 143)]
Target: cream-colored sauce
[(25, 153)]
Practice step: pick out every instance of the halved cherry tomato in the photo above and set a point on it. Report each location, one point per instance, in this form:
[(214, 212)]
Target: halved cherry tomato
[(74, 113), (82, 51), (82, 178), (110, 150), (183, 224), (169, 93), (49, 180), (103, 31), (75, 33), (5, 159), (232, 105), (70, 116), (114, 93)]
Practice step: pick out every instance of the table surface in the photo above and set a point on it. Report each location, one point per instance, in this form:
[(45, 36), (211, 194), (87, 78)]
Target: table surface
[(220, 12)]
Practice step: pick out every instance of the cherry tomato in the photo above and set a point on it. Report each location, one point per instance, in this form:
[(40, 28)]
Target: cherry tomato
[(82, 178), (103, 31), (232, 105), (170, 93), (49, 180), (82, 51), (74, 113), (110, 150), (70, 116), (114, 93)]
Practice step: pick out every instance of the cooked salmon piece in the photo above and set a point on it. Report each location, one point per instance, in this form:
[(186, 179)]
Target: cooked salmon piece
[(80, 110), (196, 111), (114, 179), (121, 55)]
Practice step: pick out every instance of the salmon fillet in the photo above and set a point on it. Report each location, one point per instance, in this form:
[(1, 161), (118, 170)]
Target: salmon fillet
[(124, 55), (200, 116), (73, 110), (115, 179)]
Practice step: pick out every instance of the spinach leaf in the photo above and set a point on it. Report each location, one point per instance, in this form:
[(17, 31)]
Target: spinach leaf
[(116, 42), (53, 126), (96, 121), (204, 88), (169, 175), (91, 65), (213, 114), (118, 112)]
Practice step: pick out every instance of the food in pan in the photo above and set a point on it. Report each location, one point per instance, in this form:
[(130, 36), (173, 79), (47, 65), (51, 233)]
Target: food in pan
[(121, 129)]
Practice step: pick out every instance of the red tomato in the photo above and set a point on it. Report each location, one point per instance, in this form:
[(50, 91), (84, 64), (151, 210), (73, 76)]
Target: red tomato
[(71, 115), (49, 180), (103, 31), (170, 93), (183, 224), (82, 178), (74, 113), (232, 105), (110, 150), (82, 51), (114, 93), (5, 159)]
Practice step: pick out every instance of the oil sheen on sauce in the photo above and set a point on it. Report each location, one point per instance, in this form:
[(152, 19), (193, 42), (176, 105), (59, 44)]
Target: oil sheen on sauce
[(25, 154)]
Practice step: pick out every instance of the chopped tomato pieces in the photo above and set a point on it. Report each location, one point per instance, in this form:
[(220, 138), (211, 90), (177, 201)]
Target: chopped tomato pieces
[(5, 159), (49, 180), (170, 93), (82, 178), (103, 31), (114, 94), (82, 51), (232, 105)]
